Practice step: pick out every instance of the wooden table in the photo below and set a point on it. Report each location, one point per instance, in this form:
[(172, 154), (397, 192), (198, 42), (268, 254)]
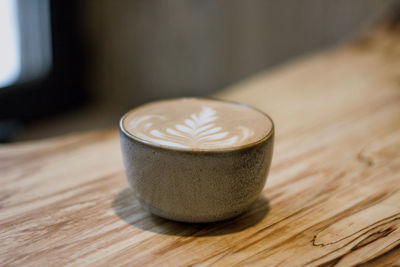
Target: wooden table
[(332, 196)]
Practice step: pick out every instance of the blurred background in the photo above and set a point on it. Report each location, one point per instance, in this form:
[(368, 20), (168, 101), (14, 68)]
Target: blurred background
[(68, 66)]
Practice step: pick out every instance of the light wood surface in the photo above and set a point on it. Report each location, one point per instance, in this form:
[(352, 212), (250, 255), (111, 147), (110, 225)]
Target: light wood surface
[(332, 196)]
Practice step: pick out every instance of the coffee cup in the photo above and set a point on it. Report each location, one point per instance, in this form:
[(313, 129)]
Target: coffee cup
[(195, 159)]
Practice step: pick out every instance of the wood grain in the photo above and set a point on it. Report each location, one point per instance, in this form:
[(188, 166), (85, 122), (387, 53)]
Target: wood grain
[(332, 197)]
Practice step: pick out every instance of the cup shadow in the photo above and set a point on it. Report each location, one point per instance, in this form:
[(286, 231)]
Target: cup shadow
[(128, 209)]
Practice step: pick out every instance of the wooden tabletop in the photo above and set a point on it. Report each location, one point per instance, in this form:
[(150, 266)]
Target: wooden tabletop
[(332, 196)]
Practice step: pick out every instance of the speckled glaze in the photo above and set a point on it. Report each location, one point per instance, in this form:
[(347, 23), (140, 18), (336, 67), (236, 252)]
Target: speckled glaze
[(196, 186)]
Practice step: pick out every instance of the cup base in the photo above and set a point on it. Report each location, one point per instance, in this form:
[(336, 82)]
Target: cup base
[(193, 218)]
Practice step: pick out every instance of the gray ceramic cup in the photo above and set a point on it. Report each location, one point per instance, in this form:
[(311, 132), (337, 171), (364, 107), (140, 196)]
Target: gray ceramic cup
[(196, 186)]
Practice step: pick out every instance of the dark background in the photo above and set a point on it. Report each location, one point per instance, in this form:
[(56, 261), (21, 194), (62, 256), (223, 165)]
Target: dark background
[(109, 56)]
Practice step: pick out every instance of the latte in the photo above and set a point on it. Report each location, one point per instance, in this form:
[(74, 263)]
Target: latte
[(197, 124)]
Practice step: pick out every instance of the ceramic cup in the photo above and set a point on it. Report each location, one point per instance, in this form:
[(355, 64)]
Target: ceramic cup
[(196, 186)]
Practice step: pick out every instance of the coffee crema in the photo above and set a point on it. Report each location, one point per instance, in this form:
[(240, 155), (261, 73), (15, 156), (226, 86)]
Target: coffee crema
[(197, 124)]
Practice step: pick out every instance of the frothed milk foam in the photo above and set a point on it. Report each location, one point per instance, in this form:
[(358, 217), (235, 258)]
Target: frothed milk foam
[(191, 123)]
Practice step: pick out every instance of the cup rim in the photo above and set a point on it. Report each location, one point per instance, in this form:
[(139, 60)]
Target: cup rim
[(198, 150)]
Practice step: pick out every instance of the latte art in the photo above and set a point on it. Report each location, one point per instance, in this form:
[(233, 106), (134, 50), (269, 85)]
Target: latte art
[(198, 130), (191, 123)]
